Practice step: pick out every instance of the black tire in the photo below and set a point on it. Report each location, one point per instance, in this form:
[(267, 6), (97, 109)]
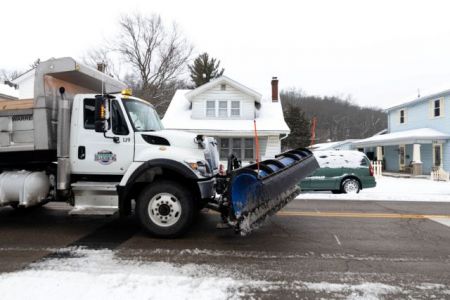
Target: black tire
[(350, 185), (152, 217)]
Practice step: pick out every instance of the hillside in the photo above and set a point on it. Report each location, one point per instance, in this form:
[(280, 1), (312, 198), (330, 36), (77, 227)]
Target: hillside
[(337, 119)]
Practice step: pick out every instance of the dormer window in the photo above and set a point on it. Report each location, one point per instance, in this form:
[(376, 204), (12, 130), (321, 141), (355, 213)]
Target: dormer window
[(223, 109), (210, 108), (235, 108), (402, 116)]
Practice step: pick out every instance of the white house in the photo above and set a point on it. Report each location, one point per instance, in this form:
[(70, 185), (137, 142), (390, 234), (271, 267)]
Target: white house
[(226, 110), (8, 93)]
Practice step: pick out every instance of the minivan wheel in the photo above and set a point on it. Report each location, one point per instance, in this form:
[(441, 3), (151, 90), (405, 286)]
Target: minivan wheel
[(350, 186), (165, 209)]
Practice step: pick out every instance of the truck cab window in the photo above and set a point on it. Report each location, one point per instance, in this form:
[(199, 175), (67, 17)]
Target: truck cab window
[(119, 125), (89, 113)]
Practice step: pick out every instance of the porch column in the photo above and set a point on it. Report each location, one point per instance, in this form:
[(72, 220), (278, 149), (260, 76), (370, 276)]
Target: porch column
[(416, 154), (379, 152), (416, 161)]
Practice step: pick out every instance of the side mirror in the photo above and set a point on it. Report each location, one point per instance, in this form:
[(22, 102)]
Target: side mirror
[(100, 114)]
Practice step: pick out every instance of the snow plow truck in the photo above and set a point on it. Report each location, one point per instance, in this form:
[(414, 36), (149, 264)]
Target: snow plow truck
[(82, 138)]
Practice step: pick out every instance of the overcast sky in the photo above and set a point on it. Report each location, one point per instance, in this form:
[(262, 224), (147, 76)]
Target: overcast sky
[(379, 52)]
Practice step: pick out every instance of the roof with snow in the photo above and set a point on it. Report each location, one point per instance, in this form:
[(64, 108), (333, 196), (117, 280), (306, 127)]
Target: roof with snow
[(414, 136), (223, 80), (432, 94), (331, 145), (339, 159), (269, 120), (8, 93)]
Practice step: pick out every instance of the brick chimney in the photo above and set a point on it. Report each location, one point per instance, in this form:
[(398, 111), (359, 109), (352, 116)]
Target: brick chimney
[(274, 89), (101, 67)]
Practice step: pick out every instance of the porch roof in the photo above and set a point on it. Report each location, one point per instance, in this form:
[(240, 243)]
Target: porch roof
[(414, 136)]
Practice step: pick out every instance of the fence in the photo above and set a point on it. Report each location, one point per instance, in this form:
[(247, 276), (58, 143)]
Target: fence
[(439, 174), (377, 168)]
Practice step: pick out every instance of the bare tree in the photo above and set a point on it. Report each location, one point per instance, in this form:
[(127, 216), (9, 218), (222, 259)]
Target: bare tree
[(8, 75), (104, 54), (159, 55)]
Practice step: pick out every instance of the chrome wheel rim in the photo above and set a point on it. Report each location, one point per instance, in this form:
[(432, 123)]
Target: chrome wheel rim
[(164, 209), (351, 187)]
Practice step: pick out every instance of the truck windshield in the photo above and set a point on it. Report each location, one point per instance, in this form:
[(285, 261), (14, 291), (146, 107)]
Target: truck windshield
[(142, 115)]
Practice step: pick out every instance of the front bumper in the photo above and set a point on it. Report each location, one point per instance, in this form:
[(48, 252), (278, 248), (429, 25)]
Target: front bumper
[(207, 188)]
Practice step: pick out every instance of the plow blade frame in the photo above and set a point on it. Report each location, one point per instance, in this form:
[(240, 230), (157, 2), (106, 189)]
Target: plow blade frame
[(267, 190)]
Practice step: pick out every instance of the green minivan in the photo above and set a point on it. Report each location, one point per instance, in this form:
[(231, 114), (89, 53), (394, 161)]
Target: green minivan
[(340, 171)]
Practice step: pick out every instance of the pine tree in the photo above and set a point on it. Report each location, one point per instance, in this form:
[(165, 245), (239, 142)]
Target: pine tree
[(299, 125), (204, 69)]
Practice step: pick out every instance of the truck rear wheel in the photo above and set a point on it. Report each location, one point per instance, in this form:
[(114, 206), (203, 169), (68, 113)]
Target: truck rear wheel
[(165, 209)]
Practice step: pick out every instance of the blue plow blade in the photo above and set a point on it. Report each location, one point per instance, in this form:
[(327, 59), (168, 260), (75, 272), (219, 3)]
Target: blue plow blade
[(256, 194)]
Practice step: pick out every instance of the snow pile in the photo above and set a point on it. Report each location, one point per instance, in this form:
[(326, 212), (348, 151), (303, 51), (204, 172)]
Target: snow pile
[(77, 273), (339, 159), (364, 291), (98, 274), (393, 189)]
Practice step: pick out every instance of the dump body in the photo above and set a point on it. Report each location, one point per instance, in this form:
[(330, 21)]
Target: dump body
[(30, 125)]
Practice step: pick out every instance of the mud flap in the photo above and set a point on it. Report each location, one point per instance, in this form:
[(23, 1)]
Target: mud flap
[(260, 191)]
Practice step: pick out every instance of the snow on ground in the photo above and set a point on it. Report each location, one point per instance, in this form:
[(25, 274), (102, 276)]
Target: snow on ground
[(100, 274), (393, 189)]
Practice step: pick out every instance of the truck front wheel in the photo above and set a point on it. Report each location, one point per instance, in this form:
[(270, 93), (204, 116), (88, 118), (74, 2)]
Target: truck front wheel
[(165, 209)]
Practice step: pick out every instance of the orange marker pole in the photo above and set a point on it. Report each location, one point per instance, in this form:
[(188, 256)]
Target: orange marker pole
[(256, 144)]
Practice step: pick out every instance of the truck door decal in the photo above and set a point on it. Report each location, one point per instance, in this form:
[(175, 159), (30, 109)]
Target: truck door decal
[(105, 157)]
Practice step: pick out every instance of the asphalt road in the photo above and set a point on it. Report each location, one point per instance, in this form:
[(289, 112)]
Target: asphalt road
[(401, 244)]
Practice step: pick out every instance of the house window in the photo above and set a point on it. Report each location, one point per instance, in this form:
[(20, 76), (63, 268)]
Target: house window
[(242, 148), (223, 109), (248, 149), (437, 155), (237, 147), (210, 108), (402, 116), (235, 108), (223, 87), (437, 108), (224, 148)]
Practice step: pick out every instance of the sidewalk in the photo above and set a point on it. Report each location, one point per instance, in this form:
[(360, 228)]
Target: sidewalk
[(393, 189)]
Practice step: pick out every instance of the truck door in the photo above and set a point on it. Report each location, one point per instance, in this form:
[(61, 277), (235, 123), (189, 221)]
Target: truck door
[(93, 152)]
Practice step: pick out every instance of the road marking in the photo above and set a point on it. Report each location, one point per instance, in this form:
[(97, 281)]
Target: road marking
[(358, 215), (337, 240), (445, 222)]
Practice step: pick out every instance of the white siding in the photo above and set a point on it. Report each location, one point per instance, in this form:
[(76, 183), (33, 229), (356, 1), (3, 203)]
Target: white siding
[(273, 147), (230, 94)]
